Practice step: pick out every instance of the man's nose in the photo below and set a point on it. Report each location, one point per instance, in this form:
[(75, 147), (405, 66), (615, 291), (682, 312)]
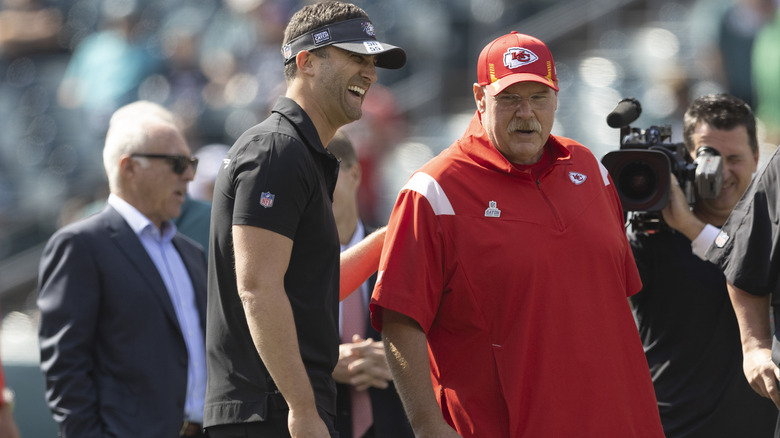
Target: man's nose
[(524, 109), (369, 72)]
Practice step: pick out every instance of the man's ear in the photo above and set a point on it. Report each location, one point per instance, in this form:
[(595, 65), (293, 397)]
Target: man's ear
[(479, 97), (304, 61), (127, 165)]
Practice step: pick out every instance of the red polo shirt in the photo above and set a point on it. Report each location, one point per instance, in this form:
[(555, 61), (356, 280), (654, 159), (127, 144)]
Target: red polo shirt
[(520, 284)]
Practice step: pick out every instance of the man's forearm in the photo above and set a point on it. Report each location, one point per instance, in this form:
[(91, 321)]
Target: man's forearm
[(406, 349), (271, 324), (752, 313), (360, 261), (760, 369)]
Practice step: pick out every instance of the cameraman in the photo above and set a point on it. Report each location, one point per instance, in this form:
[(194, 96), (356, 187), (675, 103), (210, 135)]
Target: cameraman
[(686, 321)]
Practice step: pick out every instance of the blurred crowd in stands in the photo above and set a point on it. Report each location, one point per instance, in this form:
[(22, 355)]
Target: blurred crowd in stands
[(66, 65)]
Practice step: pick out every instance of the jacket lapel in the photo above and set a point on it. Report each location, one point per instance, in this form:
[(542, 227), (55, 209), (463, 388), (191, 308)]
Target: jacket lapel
[(128, 243)]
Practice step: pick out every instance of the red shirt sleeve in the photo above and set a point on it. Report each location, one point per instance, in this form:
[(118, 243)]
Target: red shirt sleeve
[(411, 273)]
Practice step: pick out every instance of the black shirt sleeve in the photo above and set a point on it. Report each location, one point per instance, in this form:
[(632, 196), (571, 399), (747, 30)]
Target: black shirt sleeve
[(273, 181), (747, 248)]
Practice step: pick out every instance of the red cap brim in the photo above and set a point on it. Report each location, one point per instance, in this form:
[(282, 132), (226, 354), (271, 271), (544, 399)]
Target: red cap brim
[(501, 84)]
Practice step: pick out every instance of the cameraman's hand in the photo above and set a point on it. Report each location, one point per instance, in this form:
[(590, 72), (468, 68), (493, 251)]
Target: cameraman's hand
[(678, 215), (762, 373)]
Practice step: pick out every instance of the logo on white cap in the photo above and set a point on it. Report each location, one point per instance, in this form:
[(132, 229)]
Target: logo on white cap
[(517, 57)]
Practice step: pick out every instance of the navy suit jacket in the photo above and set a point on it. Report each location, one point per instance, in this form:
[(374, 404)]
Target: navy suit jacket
[(112, 351)]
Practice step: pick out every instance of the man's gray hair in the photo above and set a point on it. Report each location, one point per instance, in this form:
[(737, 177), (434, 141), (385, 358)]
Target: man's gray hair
[(128, 133)]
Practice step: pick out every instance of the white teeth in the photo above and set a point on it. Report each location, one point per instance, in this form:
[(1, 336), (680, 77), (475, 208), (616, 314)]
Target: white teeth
[(356, 89)]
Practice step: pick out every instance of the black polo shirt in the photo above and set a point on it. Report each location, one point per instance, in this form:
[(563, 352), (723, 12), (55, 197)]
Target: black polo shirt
[(277, 176), (691, 340), (748, 246)]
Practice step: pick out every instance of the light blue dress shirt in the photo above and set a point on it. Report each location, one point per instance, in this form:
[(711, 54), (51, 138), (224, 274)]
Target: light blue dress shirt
[(179, 285)]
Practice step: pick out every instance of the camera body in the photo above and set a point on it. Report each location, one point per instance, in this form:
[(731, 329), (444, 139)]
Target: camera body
[(642, 168)]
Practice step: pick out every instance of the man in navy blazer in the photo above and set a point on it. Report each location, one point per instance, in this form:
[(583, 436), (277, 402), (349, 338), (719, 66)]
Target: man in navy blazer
[(122, 297)]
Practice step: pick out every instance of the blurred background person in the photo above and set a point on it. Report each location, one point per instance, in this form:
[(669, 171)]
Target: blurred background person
[(737, 30), (209, 161), (375, 136), (195, 218), (766, 70), (122, 297), (108, 67), (367, 403)]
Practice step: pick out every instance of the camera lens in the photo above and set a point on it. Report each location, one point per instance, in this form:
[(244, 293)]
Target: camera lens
[(638, 181), (641, 178)]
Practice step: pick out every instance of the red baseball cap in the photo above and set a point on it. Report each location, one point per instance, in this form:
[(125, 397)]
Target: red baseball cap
[(514, 58)]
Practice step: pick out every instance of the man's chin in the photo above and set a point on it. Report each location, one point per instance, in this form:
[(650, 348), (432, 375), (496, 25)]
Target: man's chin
[(174, 213), (721, 203)]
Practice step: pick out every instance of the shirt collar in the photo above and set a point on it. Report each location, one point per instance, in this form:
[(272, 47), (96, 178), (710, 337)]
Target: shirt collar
[(290, 109), (137, 221)]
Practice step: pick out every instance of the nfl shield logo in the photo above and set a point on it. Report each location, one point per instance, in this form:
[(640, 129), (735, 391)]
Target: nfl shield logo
[(721, 240), (267, 199)]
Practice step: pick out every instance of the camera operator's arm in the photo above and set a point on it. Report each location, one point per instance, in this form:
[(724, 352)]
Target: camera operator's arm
[(755, 333), (678, 215)]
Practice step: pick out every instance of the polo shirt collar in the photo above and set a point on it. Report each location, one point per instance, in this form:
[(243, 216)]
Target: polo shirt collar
[(476, 144), (293, 112)]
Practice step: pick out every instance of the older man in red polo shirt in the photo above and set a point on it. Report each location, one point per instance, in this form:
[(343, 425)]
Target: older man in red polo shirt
[(506, 269)]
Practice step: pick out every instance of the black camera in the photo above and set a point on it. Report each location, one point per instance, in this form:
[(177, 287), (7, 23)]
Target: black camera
[(642, 168)]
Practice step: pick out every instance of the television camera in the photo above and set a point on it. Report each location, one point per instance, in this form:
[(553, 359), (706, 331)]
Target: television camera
[(642, 168)]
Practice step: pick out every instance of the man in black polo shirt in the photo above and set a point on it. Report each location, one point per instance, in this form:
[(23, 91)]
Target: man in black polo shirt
[(272, 332), (748, 250)]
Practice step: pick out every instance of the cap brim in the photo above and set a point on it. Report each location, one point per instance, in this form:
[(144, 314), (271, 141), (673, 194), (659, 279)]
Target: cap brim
[(387, 56), (501, 84)]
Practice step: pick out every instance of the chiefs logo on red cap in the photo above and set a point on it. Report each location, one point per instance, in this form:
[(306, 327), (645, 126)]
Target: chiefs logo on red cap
[(517, 57)]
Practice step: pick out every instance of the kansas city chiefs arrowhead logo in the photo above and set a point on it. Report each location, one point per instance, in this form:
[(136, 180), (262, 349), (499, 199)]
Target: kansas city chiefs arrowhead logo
[(518, 57), (577, 178)]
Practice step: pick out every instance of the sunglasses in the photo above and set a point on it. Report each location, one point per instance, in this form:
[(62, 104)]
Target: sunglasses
[(179, 162)]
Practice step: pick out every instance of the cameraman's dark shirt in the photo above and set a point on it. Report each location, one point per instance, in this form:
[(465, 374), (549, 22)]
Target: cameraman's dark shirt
[(691, 340)]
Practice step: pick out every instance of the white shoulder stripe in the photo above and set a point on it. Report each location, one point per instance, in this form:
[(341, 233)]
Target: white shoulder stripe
[(604, 173), (425, 185)]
